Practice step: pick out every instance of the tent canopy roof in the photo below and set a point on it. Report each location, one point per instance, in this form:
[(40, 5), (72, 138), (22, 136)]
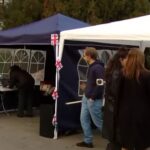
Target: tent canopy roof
[(136, 29), (39, 32)]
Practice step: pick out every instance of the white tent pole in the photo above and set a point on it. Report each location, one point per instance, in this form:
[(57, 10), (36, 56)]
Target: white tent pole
[(142, 46), (61, 47), (56, 89), (58, 56)]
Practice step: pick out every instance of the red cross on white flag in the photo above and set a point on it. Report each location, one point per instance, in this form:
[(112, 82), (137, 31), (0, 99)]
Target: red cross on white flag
[(58, 64), (55, 94), (54, 39)]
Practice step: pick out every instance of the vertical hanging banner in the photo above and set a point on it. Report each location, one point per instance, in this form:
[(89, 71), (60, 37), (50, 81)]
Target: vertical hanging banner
[(55, 94)]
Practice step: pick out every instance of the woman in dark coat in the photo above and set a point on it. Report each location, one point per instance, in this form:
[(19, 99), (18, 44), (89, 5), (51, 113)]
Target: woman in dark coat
[(134, 103), (25, 85), (112, 78)]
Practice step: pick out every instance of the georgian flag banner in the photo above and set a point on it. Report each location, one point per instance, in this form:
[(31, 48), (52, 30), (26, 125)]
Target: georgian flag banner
[(58, 64), (54, 39), (55, 94)]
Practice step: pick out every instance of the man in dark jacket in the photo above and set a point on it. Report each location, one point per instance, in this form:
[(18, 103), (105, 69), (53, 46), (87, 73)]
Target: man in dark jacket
[(92, 100), (24, 82)]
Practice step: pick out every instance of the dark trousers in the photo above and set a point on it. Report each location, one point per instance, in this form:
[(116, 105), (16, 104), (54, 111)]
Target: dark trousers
[(25, 100), (115, 146)]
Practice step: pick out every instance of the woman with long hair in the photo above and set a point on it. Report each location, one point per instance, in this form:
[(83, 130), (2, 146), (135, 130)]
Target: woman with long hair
[(112, 78), (134, 103)]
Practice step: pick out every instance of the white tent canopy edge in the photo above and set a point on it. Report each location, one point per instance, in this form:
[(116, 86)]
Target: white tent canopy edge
[(135, 32)]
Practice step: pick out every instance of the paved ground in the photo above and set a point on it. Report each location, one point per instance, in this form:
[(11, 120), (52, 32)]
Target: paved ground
[(23, 134)]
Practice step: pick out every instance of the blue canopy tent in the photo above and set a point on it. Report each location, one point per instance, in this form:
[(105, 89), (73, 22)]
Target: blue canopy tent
[(37, 36), (38, 33)]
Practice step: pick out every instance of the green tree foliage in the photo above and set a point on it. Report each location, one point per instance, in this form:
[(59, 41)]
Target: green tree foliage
[(98, 11), (79, 9), (91, 11), (22, 11), (113, 10)]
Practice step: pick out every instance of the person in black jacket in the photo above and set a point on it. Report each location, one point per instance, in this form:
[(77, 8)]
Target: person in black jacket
[(92, 99), (134, 103), (24, 82), (112, 78)]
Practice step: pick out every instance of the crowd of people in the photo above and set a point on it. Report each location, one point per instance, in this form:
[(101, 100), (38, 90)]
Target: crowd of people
[(124, 120)]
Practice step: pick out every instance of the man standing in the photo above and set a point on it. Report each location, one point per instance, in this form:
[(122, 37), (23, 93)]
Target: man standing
[(25, 85), (92, 99)]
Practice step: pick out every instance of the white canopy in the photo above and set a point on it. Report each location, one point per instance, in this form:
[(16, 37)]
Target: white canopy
[(135, 31)]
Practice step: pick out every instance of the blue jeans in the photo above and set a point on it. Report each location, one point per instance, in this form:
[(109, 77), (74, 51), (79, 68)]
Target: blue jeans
[(90, 110)]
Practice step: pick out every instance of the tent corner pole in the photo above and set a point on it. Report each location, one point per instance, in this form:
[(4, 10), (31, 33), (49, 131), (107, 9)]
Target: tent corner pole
[(142, 46)]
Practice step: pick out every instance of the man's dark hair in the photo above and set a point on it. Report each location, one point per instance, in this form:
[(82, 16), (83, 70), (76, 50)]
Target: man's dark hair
[(92, 52), (15, 67)]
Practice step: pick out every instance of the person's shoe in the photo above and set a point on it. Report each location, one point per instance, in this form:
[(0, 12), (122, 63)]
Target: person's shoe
[(83, 144)]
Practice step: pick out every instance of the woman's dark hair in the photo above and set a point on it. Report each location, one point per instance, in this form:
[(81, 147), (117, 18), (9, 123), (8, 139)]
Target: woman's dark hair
[(114, 63)]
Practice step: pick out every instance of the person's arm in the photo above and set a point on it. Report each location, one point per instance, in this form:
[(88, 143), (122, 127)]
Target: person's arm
[(98, 89), (115, 83), (12, 80)]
